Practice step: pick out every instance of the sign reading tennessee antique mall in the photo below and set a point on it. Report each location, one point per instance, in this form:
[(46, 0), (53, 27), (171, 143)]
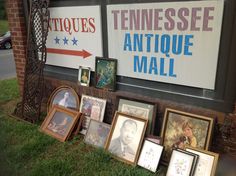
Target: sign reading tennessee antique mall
[(173, 42), (74, 36)]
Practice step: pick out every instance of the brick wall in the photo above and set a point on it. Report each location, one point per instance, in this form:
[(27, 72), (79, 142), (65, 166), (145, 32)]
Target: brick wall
[(17, 25)]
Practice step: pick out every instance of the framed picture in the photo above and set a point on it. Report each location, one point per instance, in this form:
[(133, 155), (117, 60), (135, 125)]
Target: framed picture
[(139, 108), (181, 163), (97, 133), (105, 73), (207, 162), (60, 122), (150, 155), (84, 75), (155, 139), (92, 108), (64, 96), (126, 136), (181, 129)]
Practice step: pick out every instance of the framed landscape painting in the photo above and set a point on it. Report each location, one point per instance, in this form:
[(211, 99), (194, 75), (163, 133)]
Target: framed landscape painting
[(181, 129), (105, 73)]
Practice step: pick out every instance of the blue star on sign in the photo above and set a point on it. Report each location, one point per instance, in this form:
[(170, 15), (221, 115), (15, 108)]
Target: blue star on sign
[(57, 40), (74, 41), (65, 41)]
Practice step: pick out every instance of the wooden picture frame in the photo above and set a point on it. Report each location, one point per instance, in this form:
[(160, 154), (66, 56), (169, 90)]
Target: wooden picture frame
[(64, 96), (92, 108), (207, 162), (105, 73), (60, 122), (84, 76), (150, 155), (155, 139), (126, 136), (97, 133), (140, 108), (180, 129), (181, 163)]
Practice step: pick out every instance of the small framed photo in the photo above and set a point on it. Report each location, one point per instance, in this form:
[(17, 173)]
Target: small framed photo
[(181, 163), (207, 162), (155, 139), (139, 108), (181, 129), (84, 75), (126, 136), (92, 108), (60, 122), (97, 133), (64, 96), (150, 155), (105, 73)]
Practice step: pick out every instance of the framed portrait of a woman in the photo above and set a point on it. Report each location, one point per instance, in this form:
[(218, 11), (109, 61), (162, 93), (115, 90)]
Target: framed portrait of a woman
[(84, 76), (64, 96), (181, 129)]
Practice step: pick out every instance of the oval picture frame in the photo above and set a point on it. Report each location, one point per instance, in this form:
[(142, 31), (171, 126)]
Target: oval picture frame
[(64, 96)]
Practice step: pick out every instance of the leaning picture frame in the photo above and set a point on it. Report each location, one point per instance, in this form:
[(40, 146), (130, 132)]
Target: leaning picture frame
[(97, 133), (105, 73), (60, 122), (64, 96), (181, 129), (140, 108), (125, 137), (150, 155), (84, 76), (181, 163), (92, 108), (207, 162)]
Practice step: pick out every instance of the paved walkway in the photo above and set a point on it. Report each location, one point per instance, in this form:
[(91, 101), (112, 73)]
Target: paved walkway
[(7, 64)]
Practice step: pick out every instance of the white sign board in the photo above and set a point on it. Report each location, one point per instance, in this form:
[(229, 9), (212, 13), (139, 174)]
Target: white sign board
[(173, 42), (74, 37)]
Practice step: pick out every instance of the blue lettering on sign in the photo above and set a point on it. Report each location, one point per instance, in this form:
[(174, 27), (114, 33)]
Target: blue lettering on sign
[(127, 43), (153, 65), (139, 66), (187, 43)]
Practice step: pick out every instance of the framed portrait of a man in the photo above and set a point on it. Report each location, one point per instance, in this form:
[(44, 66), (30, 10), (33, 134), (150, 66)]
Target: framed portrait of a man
[(126, 136), (84, 76), (181, 129), (139, 108), (64, 96), (60, 122), (92, 108)]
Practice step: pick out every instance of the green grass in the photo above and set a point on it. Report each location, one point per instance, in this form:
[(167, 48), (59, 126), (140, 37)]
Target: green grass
[(3, 26), (25, 151)]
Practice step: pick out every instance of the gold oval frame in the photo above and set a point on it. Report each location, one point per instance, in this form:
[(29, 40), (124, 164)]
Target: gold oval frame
[(57, 90)]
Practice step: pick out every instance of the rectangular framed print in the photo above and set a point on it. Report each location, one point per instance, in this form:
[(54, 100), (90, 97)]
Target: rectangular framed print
[(207, 162), (181, 129), (84, 75), (150, 155)]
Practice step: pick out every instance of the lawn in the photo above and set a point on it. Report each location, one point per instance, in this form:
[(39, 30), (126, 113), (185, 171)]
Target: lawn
[(24, 150), (3, 26)]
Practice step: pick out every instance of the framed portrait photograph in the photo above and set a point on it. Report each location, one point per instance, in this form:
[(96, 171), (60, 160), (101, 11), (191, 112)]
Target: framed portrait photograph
[(84, 75), (64, 96), (181, 163), (207, 162), (97, 133), (150, 155), (139, 108), (181, 129), (105, 73), (126, 136), (92, 108), (60, 122)]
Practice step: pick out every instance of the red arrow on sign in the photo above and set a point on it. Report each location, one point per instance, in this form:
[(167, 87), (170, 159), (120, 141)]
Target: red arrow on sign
[(82, 53)]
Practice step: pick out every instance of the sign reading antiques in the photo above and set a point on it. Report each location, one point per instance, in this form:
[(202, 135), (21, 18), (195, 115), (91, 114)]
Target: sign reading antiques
[(75, 36), (169, 42)]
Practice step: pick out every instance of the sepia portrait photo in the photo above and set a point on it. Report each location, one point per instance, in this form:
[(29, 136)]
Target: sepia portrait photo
[(126, 136), (84, 75)]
